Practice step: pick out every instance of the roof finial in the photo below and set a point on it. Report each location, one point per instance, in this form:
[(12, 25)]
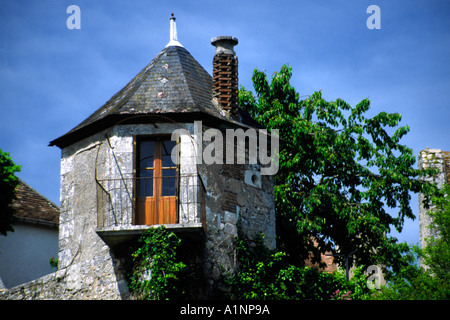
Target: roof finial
[(173, 33)]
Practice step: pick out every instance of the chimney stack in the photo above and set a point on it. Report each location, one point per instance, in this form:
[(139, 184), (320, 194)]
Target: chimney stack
[(225, 74)]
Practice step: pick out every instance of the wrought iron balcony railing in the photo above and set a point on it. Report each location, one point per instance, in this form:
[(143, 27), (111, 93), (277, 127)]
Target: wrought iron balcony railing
[(130, 202)]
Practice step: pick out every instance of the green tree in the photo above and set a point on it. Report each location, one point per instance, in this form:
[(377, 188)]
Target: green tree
[(432, 282), (436, 254), (339, 172), (8, 185)]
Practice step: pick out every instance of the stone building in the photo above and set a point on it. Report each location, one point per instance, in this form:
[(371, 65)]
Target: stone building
[(440, 161), (144, 159)]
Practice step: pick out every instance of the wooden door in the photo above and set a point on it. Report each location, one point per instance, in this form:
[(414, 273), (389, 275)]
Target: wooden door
[(156, 183)]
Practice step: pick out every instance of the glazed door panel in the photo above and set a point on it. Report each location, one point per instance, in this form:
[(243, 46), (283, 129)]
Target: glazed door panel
[(156, 178)]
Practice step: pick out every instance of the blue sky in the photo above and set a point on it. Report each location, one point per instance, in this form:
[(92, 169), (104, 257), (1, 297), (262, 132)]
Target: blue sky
[(52, 78)]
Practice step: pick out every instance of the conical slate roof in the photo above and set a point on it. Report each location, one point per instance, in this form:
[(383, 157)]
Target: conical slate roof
[(173, 84)]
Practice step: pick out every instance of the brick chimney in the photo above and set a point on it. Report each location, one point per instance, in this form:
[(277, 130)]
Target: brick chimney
[(225, 74)]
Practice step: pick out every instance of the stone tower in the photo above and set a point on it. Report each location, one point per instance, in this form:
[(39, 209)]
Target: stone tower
[(439, 160), (139, 162)]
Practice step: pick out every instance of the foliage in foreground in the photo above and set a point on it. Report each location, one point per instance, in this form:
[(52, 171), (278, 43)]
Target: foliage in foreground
[(433, 282), (436, 254), (268, 275), (8, 185), (156, 271), (265, 274)]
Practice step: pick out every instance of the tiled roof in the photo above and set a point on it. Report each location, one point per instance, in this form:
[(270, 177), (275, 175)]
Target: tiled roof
[(174, 83), (33, 207)]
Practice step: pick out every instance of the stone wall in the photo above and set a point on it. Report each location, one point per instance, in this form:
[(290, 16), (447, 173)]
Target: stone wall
[(434, 159), (82, 281)]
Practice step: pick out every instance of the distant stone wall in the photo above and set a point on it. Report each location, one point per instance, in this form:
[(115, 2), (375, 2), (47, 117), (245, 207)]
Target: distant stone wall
[(434, 159)]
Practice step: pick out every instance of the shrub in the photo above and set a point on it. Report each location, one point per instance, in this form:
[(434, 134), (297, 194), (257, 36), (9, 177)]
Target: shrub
[(156, 271)]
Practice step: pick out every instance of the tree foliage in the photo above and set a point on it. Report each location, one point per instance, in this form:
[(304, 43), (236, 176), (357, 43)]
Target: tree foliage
[(340, 174), (436, 254), (430, 280), (8, 185), (268, 275)]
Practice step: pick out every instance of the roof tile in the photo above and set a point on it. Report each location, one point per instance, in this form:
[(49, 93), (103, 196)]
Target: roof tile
[(31, 206)]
